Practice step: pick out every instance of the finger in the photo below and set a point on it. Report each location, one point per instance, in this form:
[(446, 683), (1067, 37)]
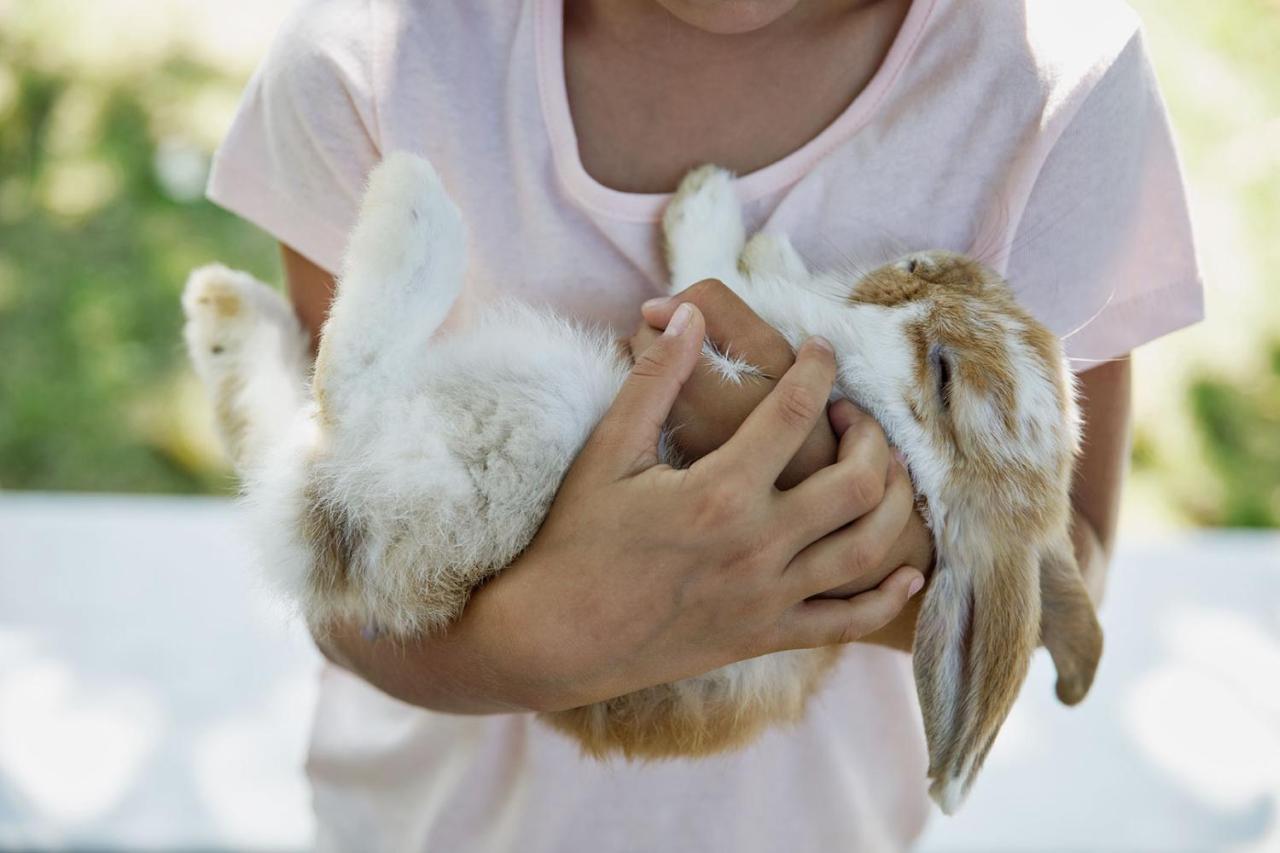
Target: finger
[(856, 555), (843, 414), (833, 621), (642, 339), (815, 454), (776, 429), (732, 326), (854, 485), (626, 439)]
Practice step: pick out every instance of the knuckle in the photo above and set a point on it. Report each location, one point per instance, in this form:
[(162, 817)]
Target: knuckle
[(651, 363), (850, 632), (751, 563), (866, 434), (859, 558), (900, 488), (798, 406), (864, 489), (720, 503), (705, 291)]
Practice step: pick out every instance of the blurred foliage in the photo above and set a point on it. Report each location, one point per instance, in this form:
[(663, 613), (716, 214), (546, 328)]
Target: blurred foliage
[(1207, 441), (1240, 427), (102, 167), (101, 218)]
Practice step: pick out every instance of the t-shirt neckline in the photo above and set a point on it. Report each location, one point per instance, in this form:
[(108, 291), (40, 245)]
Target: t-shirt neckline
[(648, 207)]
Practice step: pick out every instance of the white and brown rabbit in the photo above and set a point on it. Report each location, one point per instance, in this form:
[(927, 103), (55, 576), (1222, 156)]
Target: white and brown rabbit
[(412, 468)]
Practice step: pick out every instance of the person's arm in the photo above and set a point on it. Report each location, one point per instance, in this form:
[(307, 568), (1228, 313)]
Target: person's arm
[(310, 290), (643, 574), (711, 409), (1105, 402)]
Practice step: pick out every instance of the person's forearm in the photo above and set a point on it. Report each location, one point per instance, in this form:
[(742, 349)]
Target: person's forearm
[(422, 672), (471, 669), (1092, 555)]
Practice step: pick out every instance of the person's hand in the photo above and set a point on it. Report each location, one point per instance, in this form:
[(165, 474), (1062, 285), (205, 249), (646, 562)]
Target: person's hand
[(643, 574), (708, 411)]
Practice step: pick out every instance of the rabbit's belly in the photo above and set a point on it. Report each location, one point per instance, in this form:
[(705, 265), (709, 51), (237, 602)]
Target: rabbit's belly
[(462, 473)]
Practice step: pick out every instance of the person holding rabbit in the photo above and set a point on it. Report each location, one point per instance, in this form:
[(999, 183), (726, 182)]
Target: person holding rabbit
[(1007, 130)]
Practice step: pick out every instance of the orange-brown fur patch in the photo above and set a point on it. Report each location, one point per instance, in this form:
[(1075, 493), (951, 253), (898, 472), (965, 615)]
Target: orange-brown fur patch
[(334, 540), (640, 728)]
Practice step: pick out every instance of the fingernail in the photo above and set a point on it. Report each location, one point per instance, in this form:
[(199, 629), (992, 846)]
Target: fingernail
[(916, 586), (657, 302), (822, 343), (679, 320)]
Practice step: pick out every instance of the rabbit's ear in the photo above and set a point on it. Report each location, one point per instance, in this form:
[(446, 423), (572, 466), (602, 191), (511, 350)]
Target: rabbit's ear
[(974, 639), (1068, 624)]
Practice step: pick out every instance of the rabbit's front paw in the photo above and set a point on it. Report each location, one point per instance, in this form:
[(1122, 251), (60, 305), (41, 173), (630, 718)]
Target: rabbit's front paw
[(703, 228), (704, 207)]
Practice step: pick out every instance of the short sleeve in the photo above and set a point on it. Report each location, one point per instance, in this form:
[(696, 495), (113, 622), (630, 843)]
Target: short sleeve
[(1104, 252), (305, 136)]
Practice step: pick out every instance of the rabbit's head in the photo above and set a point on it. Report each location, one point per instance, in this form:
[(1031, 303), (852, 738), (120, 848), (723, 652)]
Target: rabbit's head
[(977, 396)]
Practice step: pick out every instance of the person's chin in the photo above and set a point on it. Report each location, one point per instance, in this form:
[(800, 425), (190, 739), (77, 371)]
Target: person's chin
[(728, 17)]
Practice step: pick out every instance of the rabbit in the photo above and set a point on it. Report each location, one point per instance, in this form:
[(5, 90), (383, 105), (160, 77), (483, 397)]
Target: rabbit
[(409, 467)]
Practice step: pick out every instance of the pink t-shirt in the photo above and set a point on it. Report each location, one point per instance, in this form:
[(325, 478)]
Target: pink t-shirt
[(1029, 133)]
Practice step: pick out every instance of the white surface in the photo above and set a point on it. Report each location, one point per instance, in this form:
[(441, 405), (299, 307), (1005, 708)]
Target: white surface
[(150, 693), (152, 696)]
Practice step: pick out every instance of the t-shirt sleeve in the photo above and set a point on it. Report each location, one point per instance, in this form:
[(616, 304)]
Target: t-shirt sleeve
[(305, 136), (1105, 237)]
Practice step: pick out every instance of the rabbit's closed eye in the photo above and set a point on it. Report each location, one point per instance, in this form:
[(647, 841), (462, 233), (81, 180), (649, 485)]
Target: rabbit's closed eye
[(940, 362)]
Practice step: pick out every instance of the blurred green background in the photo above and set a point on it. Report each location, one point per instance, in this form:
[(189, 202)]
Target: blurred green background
[(104, 147)]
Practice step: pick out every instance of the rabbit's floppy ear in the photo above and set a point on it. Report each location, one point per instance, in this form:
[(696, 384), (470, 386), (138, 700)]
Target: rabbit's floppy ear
[(974, 638), (1068, 624)]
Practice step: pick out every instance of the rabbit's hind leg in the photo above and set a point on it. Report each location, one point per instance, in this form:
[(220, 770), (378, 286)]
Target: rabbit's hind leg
[(251, 353), (402, 273)]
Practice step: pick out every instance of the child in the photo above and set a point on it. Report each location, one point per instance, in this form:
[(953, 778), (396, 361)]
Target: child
[(1029, 133)]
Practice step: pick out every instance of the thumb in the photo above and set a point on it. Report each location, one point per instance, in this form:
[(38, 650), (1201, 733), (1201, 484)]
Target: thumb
[(625, 441)]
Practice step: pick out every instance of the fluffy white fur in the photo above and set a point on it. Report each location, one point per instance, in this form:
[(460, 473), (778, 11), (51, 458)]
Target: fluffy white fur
[(427, 464)]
